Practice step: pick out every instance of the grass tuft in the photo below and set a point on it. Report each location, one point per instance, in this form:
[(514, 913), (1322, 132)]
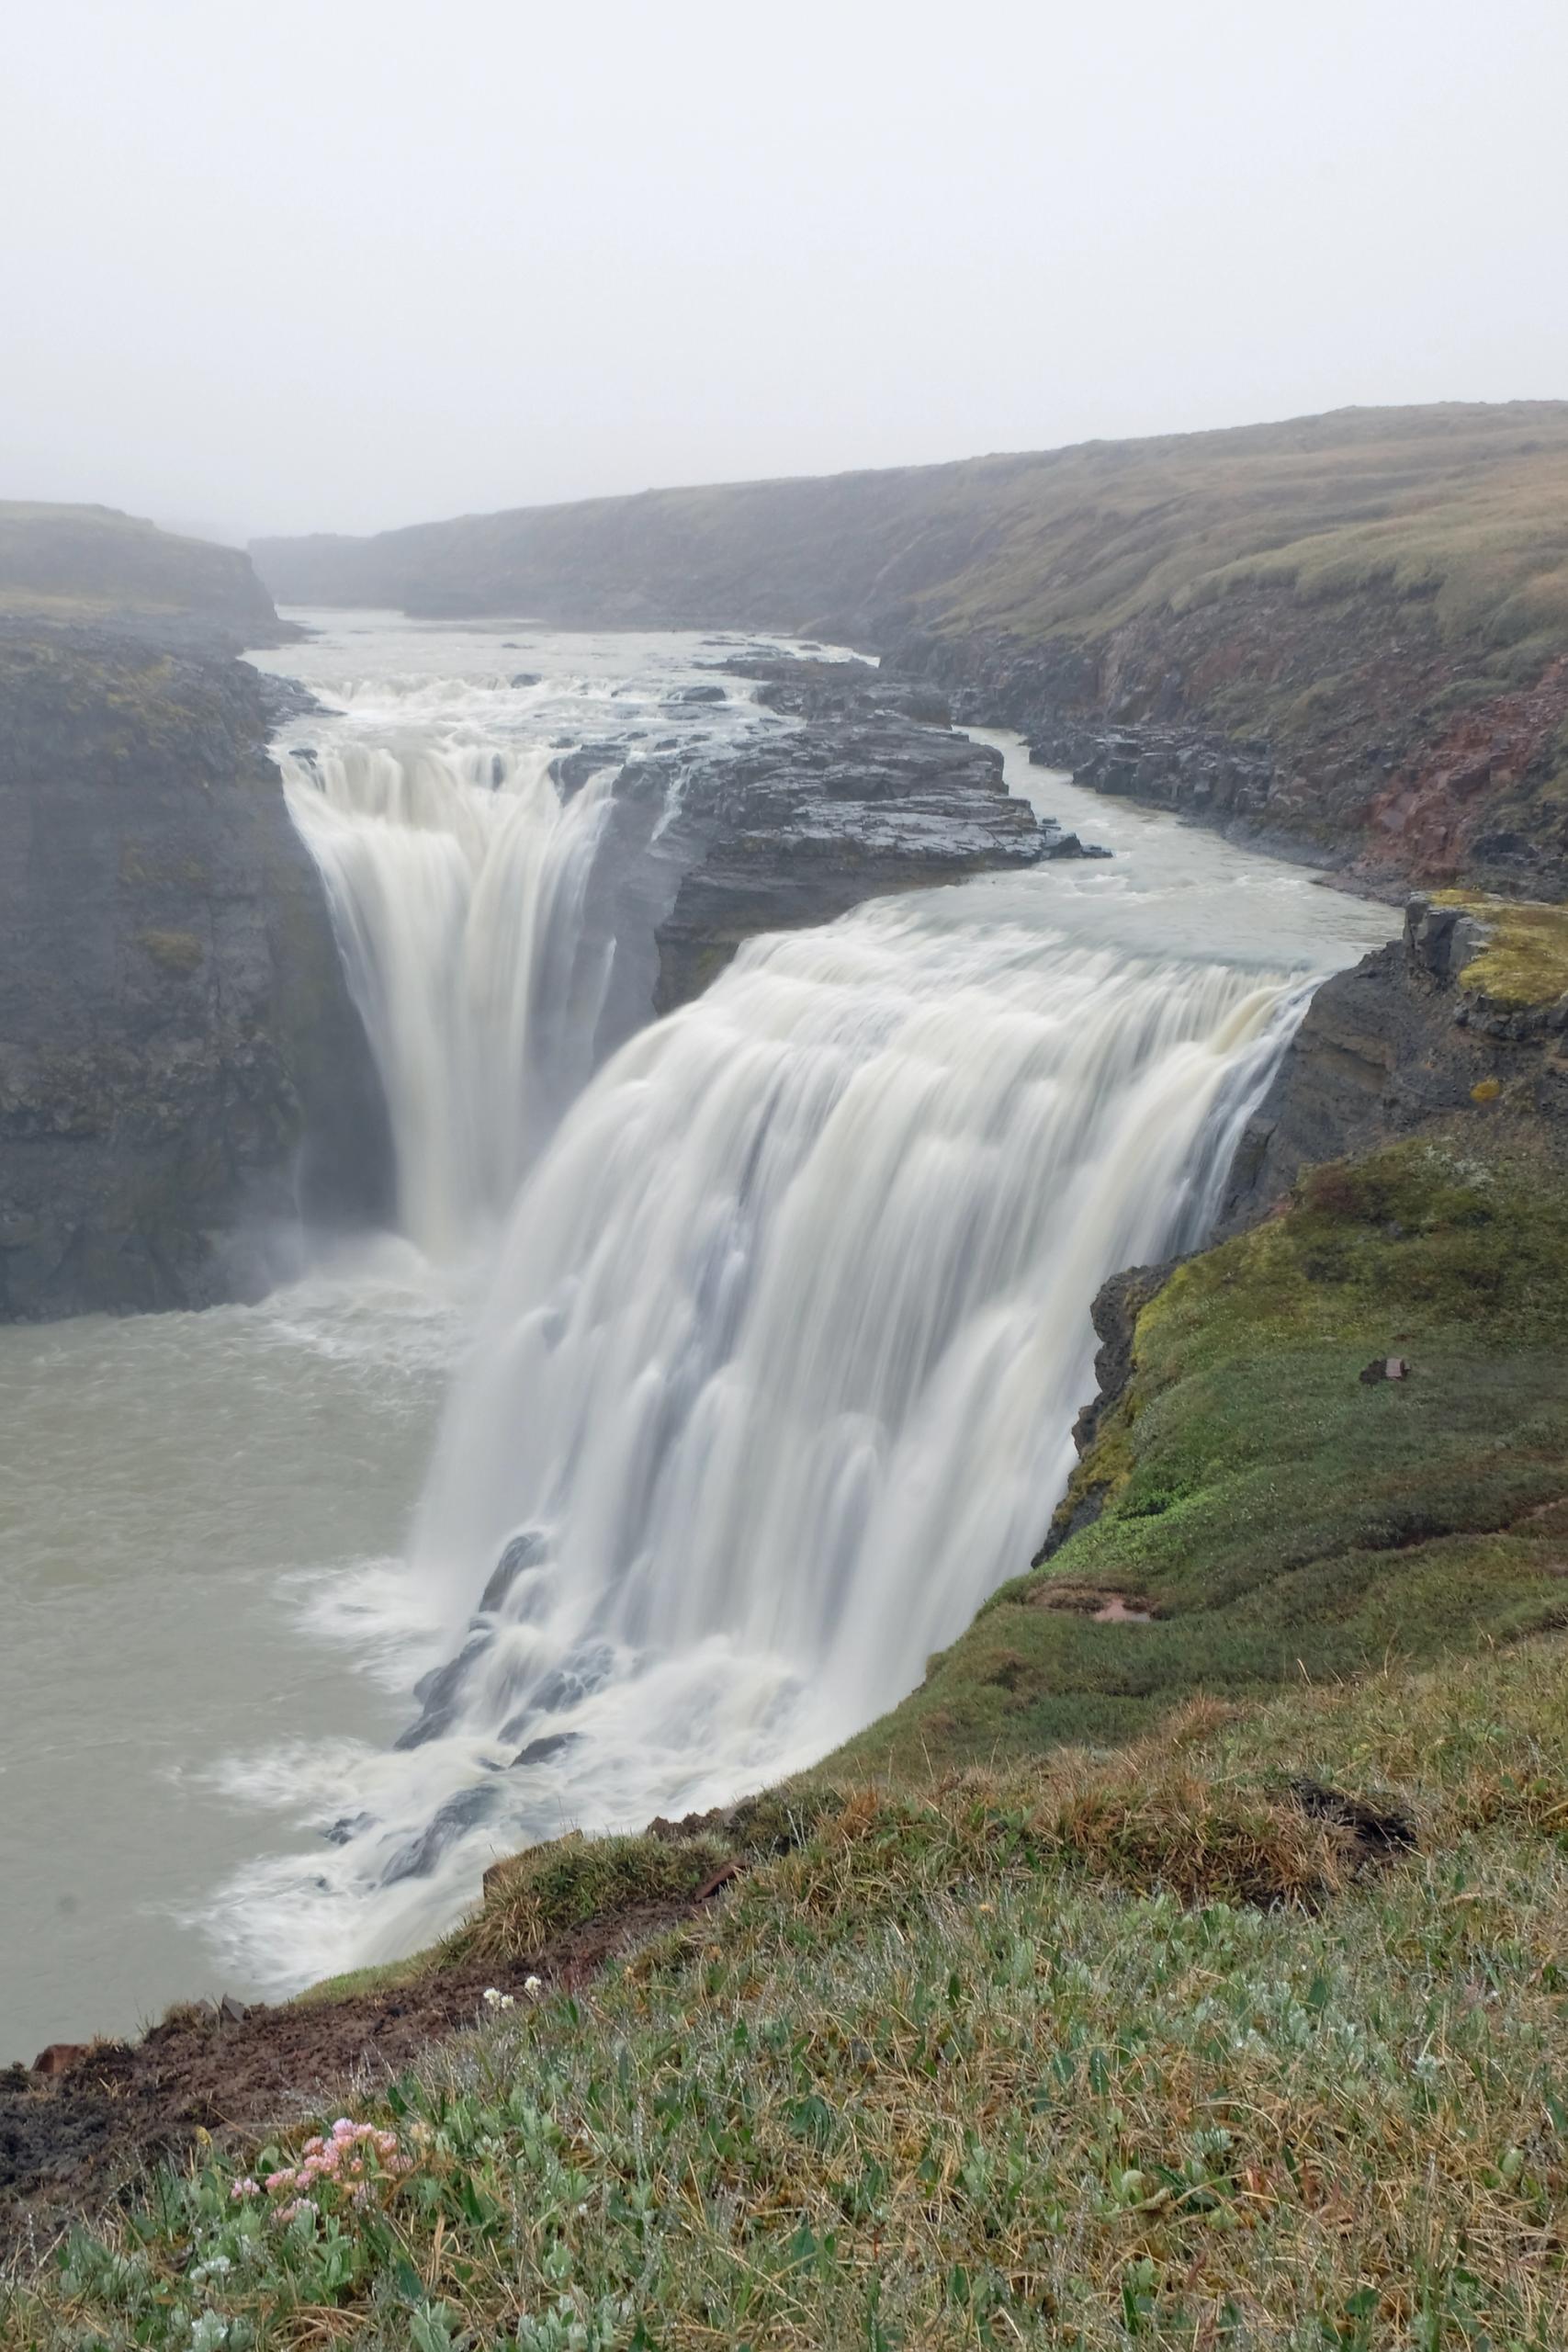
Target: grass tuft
[(539, 1895)]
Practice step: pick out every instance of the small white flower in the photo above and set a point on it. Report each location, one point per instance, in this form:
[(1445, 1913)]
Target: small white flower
[(534, 1987)]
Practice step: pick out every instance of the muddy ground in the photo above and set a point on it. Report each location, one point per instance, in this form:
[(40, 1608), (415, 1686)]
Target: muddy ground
[(72, 2140)]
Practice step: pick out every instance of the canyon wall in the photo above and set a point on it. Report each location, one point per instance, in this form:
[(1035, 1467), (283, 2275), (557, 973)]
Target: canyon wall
[(181, 1069), (95, 562), (1417, 1040)]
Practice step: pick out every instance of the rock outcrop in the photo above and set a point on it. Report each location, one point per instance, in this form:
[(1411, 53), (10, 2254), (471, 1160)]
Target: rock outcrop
[(870, 793), (1398, 1045), (180, 1066), (1368, 748)]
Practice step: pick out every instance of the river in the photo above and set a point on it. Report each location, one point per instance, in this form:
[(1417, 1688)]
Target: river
[(718, 1369)]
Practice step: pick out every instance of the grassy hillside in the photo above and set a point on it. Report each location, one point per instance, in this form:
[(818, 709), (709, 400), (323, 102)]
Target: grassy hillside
[(1089, 2053), (1462, 507), (1268, 1515), (93, 563)]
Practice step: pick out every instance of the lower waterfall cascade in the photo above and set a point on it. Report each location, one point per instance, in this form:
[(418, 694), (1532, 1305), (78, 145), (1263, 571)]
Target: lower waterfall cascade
[(776, 1380)]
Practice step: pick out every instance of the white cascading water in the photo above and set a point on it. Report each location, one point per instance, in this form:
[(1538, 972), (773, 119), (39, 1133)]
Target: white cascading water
[(784, 1322), (775, 1383), (458, 874)]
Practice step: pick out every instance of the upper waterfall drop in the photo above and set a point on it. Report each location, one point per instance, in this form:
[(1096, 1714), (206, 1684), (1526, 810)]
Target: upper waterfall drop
[(495, 891), (459, 875)]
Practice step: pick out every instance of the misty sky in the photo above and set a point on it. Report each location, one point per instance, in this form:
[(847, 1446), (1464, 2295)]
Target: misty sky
[(343, 264)]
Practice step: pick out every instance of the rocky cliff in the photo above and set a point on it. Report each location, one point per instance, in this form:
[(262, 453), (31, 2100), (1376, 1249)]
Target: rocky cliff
[(93, 562), (180, 1066), (1354, 734), (1458, 1029)]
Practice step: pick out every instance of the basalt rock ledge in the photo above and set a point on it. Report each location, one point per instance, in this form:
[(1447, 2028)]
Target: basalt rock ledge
[(869, 793)]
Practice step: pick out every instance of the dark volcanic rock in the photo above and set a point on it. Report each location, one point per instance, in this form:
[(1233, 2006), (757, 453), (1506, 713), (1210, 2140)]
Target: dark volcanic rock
[(793, 828), (1117, 1305), (1053, 696), (1068, 845), (181, 1068), (1366, 749)]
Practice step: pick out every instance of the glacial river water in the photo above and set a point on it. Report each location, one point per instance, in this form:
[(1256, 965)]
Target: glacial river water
[(716, 1371)]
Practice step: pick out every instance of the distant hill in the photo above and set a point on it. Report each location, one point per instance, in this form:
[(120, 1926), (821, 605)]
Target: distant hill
[(93, 562), (1467, 504), (1345, 632)]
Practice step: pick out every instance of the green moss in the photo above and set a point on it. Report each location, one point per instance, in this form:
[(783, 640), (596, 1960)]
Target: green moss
[(1524, 961), (174, 950)]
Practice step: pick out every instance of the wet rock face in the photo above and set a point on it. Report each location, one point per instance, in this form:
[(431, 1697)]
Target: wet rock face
[(870, 793), (1369, 742), (180, 1066), (1391, 1046)]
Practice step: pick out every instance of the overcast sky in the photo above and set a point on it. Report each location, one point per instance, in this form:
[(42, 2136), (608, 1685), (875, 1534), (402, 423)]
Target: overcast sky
[(341, 263)]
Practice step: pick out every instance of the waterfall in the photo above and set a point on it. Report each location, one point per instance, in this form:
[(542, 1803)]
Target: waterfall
[(777, 1374), (458, 877)]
